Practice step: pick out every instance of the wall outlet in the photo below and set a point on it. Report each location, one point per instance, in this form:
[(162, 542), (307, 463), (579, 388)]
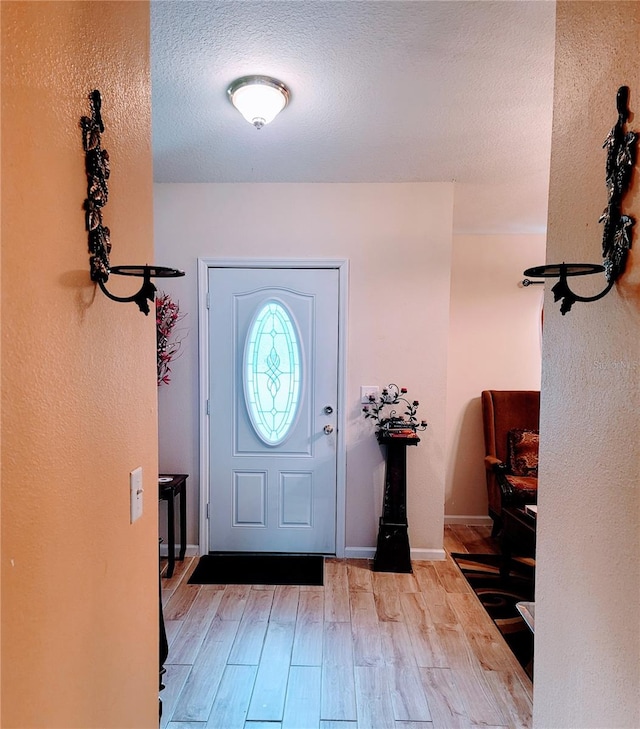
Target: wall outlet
[(135, 486), (366, 391)]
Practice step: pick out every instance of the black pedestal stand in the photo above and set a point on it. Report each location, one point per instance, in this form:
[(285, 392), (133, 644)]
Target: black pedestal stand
[(392, 552)]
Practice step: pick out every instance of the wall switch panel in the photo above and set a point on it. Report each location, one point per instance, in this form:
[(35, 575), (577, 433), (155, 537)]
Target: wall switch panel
[(366, 391), (135, 485)]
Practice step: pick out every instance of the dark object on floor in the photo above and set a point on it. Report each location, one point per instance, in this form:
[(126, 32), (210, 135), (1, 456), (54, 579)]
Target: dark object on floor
[(518, 536), (499, 597), (258, 569)]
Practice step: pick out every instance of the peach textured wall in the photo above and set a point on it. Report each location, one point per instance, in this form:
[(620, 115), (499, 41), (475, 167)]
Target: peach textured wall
[(79, 582), (398, 240), (494, 343), (587, 664)]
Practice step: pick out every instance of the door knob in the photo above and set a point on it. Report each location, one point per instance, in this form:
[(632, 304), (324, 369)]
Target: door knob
[(328, 429), (328, 410)]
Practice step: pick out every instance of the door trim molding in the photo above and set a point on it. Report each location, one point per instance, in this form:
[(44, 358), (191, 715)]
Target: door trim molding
[(342, 266)]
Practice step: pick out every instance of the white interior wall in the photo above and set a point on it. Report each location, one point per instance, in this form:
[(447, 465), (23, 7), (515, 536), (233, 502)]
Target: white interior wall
[(494, 343), (397, 238), (587, 665)]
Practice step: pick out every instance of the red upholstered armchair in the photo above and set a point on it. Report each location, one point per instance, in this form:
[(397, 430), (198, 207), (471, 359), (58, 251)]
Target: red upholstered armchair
[(511, 420)]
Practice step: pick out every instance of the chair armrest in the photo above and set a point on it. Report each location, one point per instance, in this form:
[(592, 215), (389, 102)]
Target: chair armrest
[(500, 469), (491, 462)]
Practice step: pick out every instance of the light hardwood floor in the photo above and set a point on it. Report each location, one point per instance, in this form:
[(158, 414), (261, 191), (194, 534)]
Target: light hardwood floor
[(369, 650)]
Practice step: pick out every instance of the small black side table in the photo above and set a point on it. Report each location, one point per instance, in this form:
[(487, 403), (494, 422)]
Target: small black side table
[(392, 552), (167, 491)]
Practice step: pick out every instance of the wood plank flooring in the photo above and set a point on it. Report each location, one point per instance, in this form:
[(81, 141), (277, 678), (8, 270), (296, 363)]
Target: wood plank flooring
[(368, 650)]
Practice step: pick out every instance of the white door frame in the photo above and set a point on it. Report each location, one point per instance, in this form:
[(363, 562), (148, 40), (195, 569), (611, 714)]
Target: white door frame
[(342, 266)]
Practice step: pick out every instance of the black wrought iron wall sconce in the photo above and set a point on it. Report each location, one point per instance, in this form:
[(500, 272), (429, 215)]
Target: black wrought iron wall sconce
[(617, 234), (98, 172)]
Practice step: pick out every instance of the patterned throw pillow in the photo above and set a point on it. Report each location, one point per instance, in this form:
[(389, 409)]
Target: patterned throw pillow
[(523, 452)]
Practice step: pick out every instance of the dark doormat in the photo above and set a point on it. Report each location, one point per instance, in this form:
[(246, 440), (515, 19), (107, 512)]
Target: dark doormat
[(499, 597), (258, 569)]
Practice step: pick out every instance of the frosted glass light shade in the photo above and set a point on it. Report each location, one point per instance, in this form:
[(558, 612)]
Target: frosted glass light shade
[(258, 98)]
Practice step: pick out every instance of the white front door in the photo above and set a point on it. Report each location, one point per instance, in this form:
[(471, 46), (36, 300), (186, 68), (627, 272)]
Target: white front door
[(273, 374)]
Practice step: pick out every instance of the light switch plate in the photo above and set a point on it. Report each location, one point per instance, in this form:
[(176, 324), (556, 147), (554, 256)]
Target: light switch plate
[(366, 390), (135, 485)]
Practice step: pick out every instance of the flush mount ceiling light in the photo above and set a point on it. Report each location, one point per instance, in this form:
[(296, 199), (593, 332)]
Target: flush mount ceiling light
[(258, 98)]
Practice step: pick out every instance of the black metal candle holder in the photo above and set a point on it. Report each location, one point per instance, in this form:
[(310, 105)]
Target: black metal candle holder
[(147, 291), (98, 172), (616, 237)]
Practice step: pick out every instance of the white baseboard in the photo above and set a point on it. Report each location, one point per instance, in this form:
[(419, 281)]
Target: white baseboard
[(417, 554), (193, 550), (434, 555), (359, 552), (468, 520)]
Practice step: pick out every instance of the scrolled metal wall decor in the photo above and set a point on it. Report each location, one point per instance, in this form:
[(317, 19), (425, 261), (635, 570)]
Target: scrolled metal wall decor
[(621, 157), (617, 231), (98, 172)]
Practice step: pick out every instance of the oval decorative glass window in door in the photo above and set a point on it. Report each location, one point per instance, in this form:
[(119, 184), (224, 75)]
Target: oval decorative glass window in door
[(272, 372)]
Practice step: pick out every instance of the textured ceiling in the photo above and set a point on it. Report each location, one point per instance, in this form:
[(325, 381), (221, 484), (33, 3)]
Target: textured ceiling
[(380, 92)]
